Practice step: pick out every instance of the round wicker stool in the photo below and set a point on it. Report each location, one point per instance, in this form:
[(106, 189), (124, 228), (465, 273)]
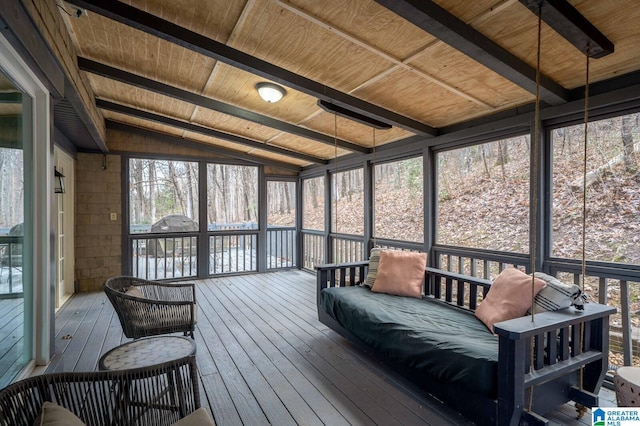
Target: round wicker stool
[(627, 382)]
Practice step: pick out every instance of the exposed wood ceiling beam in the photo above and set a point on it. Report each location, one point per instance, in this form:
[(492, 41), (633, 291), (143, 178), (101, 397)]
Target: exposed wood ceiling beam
[(437, 21), (115, 125), (572, 25), (143, 21), (203, 101), (145, 115)]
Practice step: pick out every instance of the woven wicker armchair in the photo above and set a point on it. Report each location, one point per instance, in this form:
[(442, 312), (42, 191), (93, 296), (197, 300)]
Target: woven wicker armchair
[(148, 308), (157, 395)]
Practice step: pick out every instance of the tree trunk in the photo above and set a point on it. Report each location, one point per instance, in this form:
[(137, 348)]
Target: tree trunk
[(627, 142), (287, 197), (484, 160), (212, 211), (176, 187), (503, 158), (313, 190), (152, 191)]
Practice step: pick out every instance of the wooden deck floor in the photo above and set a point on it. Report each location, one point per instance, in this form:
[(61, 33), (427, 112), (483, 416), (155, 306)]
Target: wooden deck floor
[(11, 339), (264, 358)]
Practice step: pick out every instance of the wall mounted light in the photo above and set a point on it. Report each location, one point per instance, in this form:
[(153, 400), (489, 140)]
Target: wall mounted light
[(58, 182), (270, 92)]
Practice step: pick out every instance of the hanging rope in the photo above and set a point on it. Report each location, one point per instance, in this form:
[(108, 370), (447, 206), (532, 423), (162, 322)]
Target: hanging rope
[(579, 407), (534, 226), (373, 169), (584, 172), (536, 154), (335, 170), (584, 199)]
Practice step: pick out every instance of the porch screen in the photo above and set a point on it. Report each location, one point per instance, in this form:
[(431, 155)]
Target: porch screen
[(613, 197), (483, 196), (163, 218), (399, 200)]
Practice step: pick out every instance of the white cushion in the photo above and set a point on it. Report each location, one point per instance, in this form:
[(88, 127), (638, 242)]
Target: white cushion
[(557, 295), (374, 260)]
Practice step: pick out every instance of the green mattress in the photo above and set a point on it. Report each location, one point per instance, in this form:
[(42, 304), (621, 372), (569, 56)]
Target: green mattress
[(435, 341)]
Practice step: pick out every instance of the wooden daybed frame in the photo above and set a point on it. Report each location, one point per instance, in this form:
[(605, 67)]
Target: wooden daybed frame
[(556, 374)]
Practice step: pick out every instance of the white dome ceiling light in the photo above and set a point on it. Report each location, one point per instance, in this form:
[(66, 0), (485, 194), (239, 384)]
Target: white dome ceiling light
[(270, 92)]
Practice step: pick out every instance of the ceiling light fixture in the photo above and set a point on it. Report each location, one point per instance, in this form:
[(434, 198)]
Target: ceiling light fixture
[(270, 92)]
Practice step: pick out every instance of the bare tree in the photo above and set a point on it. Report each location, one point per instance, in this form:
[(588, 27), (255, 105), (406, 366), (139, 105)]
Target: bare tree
[(627, 142), (484, 160), (153, 193)]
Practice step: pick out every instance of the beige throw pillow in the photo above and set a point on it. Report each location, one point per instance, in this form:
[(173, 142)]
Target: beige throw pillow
[(200, 417), (509, 297), (400, 273), (134, 291), (55, 415)]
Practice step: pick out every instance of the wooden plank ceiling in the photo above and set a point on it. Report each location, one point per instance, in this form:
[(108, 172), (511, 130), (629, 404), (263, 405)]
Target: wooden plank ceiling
[(355, 52)]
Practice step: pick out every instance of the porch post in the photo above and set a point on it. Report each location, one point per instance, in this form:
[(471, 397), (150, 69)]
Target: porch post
[(545, 214), (203, 237), (299, 237), (328, 208), (368, 168), (262, 220), (125, 217), (429, 191), (537, 208)]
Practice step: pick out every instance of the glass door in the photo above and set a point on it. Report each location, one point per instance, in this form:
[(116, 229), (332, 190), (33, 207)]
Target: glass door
[(15, 328)]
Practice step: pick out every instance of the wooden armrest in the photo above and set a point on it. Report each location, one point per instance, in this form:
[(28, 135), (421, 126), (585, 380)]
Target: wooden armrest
[(521, 328), (330, 266), (335, 274)]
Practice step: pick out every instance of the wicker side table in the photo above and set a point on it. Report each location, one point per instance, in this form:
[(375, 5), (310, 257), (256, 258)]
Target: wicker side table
[(146, 352), (150, 352)]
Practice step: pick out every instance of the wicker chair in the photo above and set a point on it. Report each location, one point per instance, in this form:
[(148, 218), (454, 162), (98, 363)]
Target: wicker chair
[(148, 308), (157, 395)]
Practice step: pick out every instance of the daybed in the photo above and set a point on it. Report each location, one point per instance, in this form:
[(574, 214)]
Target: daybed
[(438, 344), (158, 395)]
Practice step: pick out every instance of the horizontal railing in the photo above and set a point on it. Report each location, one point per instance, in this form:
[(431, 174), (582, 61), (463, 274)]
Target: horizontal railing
[(11, 266), (606, 283), (385, 243), (613, 285), (164, 256), (147, 229), (485, 264), (281, 247)]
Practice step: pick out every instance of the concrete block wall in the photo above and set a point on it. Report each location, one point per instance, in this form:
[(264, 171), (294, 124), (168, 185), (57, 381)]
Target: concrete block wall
[(98, 243)]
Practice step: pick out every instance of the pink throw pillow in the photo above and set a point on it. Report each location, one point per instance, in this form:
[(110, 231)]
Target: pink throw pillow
[(400, 273), (509, 297)]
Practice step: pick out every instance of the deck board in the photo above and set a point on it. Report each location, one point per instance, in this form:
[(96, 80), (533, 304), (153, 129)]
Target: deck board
[(264, 358), (361, 388), (11, 332)]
